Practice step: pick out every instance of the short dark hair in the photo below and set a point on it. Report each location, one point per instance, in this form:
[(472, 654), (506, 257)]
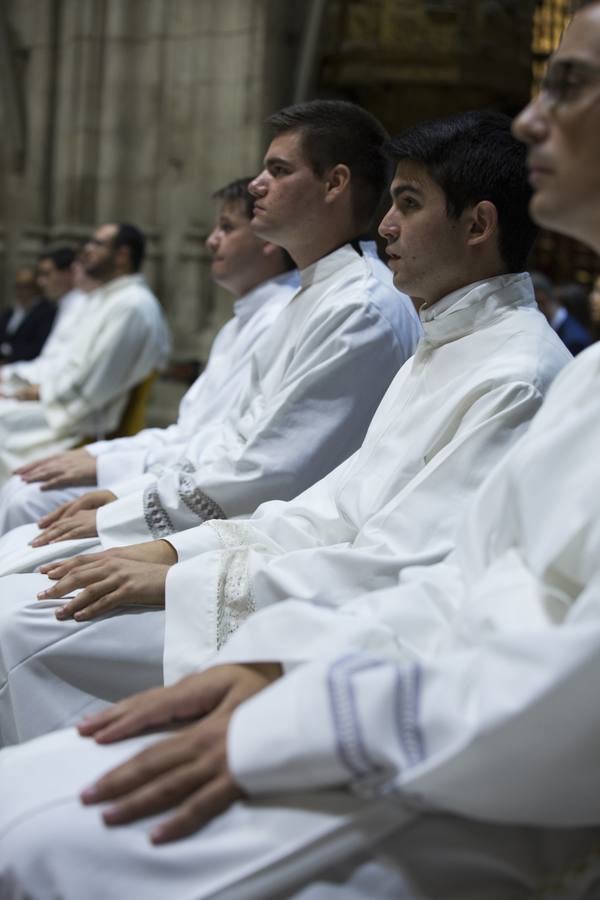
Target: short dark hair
[(132, 237), (237, 192), (62, 257), (473, 156), (334, 132)]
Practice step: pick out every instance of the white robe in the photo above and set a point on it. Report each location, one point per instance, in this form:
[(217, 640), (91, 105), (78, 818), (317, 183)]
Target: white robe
[(479, 375), (122, 338), (56, 349), (315, 381), (206, 402), (438, 768)]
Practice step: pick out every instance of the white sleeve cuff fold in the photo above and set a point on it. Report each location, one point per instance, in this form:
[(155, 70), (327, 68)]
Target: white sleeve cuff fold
[(282, 738), (194, 541), (113, 467)]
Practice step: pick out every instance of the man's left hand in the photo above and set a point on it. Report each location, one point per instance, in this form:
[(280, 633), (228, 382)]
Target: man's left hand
[(188, 772), (109, 582), (81, 524), (29, 393)]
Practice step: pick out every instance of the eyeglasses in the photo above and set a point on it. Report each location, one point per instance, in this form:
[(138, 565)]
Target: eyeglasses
[(564, 82)]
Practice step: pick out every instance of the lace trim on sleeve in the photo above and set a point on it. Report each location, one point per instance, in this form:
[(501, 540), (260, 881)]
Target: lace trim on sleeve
[(235, 599), (156, 517), (231, 534), (203, 506)]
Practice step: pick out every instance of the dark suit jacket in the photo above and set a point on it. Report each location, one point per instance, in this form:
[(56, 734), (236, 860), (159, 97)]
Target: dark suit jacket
[(27, 341), (573, 335)]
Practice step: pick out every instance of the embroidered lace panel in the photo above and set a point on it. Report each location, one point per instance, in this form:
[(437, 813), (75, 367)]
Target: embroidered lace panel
[(235, 600), (203, 506), (155, 515), (231, 534)]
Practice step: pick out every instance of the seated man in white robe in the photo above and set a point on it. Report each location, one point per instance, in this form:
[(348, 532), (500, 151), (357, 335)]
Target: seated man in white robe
[(476, 380), (55, 274), (469, 770), (123, 337), (263, 279), (314, 382)]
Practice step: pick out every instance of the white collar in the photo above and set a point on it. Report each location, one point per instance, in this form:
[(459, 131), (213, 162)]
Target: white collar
[(475, 305), (245, 307), (328, 265)]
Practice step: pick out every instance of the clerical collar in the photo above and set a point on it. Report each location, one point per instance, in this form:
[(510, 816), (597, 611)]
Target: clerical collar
[(245, 307), (328, 265), (472, 306)]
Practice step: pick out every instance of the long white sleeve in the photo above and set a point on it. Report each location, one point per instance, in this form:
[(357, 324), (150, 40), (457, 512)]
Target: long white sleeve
[(478, 698), (208, 401), (315, 387)]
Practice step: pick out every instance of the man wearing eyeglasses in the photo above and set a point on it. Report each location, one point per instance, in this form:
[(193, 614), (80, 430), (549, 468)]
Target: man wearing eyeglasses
[(120, 340)]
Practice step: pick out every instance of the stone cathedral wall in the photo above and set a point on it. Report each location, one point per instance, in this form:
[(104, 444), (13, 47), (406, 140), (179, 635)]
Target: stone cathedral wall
[(137, 109)]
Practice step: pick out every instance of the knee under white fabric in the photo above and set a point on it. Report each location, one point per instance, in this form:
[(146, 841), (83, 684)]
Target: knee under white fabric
[(22, 503), (314, 846), (52, 673)]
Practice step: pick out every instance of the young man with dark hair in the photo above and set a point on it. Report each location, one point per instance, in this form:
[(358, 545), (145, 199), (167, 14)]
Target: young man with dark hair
[(313, 387), (313, 384), (472, 157), (119, 341), (327, 132), (476, 380), (55, 279), (261, 279)]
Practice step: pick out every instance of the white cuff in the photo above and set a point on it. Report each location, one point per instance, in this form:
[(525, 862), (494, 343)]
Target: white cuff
[(112, 467), (122, 522), (282, 738), (191, 616), (97, 447), (131, 486), (193, 541)]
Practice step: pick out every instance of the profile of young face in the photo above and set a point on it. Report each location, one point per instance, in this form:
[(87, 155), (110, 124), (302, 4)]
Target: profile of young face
[(562, 128), (236, 250), (288, 197), (426, 247), (52, 282)]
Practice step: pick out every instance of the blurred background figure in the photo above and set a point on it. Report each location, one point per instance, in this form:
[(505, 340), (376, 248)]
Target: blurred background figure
[(575, 299), (571, 332), (25, 325), (594, 303), (55, 279)]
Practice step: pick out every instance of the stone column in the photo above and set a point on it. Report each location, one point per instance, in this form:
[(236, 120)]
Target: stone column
[(137, 110)]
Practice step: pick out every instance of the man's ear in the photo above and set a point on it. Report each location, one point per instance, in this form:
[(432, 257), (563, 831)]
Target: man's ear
[(336, 181), (123, 257), (482, 222)]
